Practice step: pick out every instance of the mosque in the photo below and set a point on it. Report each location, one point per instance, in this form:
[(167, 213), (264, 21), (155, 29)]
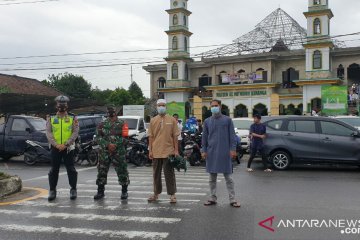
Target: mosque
[(278, 68)]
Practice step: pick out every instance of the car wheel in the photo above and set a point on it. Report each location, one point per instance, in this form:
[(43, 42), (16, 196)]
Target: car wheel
[(5, 158), (29, 160), (281, 160)]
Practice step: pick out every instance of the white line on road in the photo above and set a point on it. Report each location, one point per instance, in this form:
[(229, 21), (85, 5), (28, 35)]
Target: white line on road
[(60, 174), (93, 217), (107, 207), (177, 179), (143, 200), (150, 183), (81, 186), (85, 231), (61, 191)]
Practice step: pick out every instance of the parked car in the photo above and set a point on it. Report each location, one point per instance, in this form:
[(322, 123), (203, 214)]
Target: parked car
[(351, 120), (309, 140), (242, 127), (136, 126), (88, 126), (16, 130)]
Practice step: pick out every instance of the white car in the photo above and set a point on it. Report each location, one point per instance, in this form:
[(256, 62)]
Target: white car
[(136, 125), (351, 120), (242, 128)]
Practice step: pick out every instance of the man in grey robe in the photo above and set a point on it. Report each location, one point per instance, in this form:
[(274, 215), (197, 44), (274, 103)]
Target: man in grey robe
[(219, 148)]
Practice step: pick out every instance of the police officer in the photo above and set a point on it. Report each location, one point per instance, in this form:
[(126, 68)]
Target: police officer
[(62, 131), (110, 136)]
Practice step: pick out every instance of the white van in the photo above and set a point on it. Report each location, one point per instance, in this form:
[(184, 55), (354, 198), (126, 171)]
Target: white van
[(136, 125)]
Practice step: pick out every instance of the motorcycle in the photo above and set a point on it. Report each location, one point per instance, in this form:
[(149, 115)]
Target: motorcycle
[(88, 151), (36, 152), (192, 148), (137, 151)]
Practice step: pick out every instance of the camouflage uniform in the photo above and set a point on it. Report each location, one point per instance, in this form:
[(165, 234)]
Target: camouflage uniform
[(109, 132)]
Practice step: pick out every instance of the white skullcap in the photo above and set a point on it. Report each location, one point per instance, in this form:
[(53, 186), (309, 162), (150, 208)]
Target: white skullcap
[(161, 101)]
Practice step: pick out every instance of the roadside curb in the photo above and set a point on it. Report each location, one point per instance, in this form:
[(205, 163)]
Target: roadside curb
[(10, 186), (27, 194)]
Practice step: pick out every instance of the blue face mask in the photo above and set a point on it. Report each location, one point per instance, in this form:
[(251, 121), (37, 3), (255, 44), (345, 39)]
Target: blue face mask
[(215, 110), (161, 110)]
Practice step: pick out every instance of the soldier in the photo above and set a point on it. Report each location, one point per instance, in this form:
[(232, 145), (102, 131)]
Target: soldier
[(110, 136), (62, 131)]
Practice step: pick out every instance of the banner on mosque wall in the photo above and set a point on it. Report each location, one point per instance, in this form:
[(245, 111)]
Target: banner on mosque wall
[(241, 77), (176, 108), (334, 100)]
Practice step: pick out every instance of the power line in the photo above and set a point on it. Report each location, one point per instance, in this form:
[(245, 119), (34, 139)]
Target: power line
[(17, 3)]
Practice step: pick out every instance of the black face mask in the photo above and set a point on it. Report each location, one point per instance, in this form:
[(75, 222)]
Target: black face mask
[(62, 109)]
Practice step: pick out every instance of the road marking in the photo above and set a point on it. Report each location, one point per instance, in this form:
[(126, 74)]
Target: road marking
[(134, 192), (177, 176), (41, 193), (85, 231), (144, 200), (93, 217), (150, 183), (60, 174), (107, 207), (177, 179), (135, 186)]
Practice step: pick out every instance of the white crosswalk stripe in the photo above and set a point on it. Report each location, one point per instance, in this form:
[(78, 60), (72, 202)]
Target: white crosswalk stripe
[(42, 217)]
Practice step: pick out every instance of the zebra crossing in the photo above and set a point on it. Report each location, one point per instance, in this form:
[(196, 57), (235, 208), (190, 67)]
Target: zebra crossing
[(109, 218)]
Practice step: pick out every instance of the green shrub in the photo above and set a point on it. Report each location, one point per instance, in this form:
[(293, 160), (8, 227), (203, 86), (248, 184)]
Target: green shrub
[(3, 176)]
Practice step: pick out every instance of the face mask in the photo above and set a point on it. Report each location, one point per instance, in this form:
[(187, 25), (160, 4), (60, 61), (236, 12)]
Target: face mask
[(215, 110), (62, 109), (161, 110)]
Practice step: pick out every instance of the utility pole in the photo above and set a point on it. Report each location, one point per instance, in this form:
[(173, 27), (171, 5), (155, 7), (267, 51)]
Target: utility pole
[(132, 80)]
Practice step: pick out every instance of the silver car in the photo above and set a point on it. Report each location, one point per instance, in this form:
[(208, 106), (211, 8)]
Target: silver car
[(305, 140)]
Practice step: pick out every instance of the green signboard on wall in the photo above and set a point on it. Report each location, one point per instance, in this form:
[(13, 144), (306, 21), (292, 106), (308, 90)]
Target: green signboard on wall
[(334, 100), (176, 107)]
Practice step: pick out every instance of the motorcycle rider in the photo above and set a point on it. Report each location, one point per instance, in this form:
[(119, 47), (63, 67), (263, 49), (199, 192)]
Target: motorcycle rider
[(61, 131), (110, 136)]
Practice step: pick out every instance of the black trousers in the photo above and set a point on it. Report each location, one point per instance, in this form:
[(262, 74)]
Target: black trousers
[(56, 158), (253, 150)]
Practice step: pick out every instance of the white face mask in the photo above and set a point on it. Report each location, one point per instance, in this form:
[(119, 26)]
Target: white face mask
[(161, 110)]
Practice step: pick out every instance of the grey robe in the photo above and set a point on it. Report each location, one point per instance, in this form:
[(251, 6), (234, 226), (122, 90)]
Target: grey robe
[(218, 140)]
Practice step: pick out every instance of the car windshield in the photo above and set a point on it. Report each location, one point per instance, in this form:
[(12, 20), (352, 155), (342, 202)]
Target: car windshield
[(38, 123), (355, 122), (132, 123), (242, 124)]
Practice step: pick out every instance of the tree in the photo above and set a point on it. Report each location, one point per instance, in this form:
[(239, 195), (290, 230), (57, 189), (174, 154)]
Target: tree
[(120, 97), (70, 84), (101, 96), (136, 94)]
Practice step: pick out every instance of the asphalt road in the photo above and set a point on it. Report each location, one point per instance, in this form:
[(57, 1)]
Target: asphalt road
[(303, 201)]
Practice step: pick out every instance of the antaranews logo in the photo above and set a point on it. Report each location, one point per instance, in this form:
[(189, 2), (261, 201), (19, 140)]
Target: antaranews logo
[(345, 226)]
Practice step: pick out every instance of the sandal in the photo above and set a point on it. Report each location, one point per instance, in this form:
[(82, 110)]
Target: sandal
[(153, 198), (268, 170), (210, 203), (250, 170), (235, 204), (173, 199)]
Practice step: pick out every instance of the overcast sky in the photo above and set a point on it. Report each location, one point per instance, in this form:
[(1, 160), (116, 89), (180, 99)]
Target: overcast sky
[(78, 26)]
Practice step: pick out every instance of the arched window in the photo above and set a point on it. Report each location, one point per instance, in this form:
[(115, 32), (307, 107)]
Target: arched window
[(175, 43), (174, 71), (261, 75), (317, 60), (289, 76), (317, 26), (185, 44), (341, 72), (175, 20), (317, 2), (185, 21), (186, 72), (161, 82)]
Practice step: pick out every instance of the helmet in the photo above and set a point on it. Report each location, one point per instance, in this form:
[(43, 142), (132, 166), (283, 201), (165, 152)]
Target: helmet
[(62, 99)]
